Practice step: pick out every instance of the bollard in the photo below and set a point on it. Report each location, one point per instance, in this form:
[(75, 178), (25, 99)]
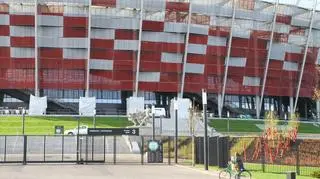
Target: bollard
[(291, 175)]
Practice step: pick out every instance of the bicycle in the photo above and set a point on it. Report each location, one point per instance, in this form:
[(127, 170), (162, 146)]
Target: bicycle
[(227, 173)]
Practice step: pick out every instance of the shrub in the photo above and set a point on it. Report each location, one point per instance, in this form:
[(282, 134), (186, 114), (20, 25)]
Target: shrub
[(316, 174)]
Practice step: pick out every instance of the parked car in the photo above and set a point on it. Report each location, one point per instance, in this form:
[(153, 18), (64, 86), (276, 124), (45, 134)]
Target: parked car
[(83, 130)]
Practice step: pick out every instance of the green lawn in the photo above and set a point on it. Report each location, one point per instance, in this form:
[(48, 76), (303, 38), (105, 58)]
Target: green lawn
[(12, 125), (257, 174), (250, 126)]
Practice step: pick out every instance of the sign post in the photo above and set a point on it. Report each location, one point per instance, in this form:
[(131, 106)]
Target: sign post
[(176, 131), (153, 123), (155, 151), (113, 131), (204, 102)]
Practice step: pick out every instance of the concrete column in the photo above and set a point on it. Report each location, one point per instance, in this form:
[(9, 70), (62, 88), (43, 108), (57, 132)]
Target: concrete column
[(291, 107), (2, 97), (257, 106), (220, 105)]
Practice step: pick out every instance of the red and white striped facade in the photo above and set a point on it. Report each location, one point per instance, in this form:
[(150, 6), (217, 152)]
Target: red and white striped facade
[(170, 46)]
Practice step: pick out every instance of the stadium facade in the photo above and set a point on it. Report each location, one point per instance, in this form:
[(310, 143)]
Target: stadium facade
[(241, 51)]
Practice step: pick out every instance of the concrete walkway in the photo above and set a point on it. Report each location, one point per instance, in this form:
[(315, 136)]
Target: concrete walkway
[(101, 172)]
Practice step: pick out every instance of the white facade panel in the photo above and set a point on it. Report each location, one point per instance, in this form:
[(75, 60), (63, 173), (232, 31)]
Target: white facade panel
[(97, 64), (115, 23), (282, 28), (126, 44), (21, 8), (175, 27), (75, 11), (4, 41), (44, 31), (50, 42), (128, 4), (154, 16), (194, 68), (237, 61), (69, 53), (251, 81), (22, 52), (171, 57), (22, 31), (47, 20), (149, 76), (278, 51), (154, 5), (199, 29), (114, 13), (290, 66), (217, 41), (102, 33), (241, 33), (4, 19), (300, 22), (197, 49), (162, 37), (75, 42), (297, 39)]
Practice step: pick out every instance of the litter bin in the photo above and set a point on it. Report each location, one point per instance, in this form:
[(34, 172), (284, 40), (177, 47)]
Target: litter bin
[(58, 130), (291, 175)]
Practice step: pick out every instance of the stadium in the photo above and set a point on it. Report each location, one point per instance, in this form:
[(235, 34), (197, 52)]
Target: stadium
[(250, 55)]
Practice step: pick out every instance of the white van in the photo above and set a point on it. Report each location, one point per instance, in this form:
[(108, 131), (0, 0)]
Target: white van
[(160, 112)]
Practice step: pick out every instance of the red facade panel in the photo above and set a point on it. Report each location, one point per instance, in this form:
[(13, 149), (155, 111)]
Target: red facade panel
[(214, 69), (154, 26), (101, 54), (161, 46), (122, 75), (219, 31), (150, 66), (4, 52), (293, 57), (22, 41), (51, 53), (101, 43), (285, 19), (105, 3), (198, 39), (55, 10), (217, 50), (193, 87), (275, 64), (170, 77), (150, 56), (254, 71), (171, 67), (124, 34), (195, 58), (177, 6), (4, 30), (75, 22), (148, 86), (75, 32), (123, 65), (74, 64), (236, 71), (168, 87), (22, 20), (125, 55)]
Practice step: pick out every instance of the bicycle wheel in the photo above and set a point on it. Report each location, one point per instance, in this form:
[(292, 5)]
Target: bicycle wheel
[(224, 174), (244, 175)]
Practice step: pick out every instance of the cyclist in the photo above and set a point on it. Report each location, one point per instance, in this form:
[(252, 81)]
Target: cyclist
[(239, 163)]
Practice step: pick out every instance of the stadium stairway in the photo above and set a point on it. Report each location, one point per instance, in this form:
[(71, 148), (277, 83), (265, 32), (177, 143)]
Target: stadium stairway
[(54, 106)]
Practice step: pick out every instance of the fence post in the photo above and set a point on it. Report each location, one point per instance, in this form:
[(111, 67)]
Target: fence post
[(297, 160), (169, 148), (44, 148), (114, 149), (263, 160), (142, 150), (24, 150), (5, 149)]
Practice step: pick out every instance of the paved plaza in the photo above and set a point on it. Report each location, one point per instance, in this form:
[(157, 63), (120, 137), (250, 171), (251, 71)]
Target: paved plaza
[(101, 172)]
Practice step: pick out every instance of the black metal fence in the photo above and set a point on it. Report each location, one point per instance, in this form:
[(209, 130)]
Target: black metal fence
[(276, 156), (84, 149)]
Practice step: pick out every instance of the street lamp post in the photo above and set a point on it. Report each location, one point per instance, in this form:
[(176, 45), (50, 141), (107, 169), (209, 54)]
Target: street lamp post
[(23, 120), (176, 131), (153, 123), (204, 102), (228, 122)]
